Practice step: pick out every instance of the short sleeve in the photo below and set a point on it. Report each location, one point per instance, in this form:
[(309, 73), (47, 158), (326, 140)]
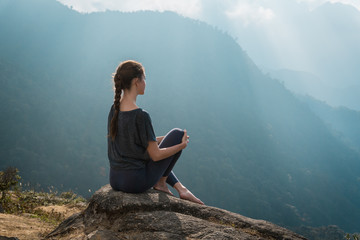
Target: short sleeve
[(145, 129)]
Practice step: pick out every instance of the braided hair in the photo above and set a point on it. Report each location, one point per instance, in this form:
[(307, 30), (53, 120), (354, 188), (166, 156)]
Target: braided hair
[(125, 73)]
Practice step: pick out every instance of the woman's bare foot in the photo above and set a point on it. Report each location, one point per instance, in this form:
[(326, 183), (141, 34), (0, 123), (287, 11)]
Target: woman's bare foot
[(162, 186), (187, 195), (166, 190), (184, 193)]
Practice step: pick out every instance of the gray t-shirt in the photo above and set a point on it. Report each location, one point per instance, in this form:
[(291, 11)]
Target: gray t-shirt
[(128, 150)]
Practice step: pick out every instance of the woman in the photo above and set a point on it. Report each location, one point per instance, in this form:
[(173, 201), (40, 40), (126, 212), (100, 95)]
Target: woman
[(138, 159)]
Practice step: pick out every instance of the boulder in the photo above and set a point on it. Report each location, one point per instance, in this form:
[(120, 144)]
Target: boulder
[(157, 215)]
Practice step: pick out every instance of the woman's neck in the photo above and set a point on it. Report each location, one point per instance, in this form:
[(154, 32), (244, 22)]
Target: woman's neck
[(128, 101)]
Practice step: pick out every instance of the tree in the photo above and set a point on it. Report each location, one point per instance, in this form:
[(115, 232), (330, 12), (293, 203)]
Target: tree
[(8, 179), (352, 236)]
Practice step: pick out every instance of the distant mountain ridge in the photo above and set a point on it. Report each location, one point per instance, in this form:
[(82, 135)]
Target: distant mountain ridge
[(322, 41), (343, 121), (255, 148), (305, 83)]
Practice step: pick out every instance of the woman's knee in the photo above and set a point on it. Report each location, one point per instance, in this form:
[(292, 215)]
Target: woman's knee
[(173, 137), (177, 132)]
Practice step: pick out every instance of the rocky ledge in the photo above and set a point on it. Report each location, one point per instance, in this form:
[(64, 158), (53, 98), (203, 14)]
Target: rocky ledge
[(156, 215)]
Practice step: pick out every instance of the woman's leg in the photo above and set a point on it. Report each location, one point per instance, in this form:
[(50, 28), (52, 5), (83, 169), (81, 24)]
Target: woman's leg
[(169, 176), (159, 173), (130, 181)]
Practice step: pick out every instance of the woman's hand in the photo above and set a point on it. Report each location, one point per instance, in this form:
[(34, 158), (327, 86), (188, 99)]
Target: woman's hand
[(185, 139), (157, 154), (159, 139)]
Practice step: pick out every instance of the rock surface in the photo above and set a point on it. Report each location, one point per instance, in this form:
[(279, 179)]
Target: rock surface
[(156, 215)]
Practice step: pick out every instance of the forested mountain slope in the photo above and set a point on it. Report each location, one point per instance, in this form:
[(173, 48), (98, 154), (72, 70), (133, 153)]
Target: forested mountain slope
[(255, 148)]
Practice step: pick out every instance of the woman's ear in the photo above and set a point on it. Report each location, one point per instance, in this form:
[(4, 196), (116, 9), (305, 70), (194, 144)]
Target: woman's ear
[(137, 81), (134, 82)]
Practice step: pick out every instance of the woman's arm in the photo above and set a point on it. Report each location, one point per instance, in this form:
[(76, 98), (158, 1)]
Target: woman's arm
[(158, 154)]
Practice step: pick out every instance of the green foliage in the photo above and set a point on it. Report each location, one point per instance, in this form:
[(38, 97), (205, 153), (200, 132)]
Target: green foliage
[(8, 179), (352, 236), (18, 202), (27, 201)]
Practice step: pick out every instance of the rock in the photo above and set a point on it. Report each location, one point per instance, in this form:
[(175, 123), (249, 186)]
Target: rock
[(156, 215), (8, 238)]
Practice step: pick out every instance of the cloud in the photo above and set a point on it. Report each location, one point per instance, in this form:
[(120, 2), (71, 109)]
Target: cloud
[(315, 3), (250, 13), (355, 3)]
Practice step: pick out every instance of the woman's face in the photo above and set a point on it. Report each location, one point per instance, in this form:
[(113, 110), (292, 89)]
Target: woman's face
[(141, 85)]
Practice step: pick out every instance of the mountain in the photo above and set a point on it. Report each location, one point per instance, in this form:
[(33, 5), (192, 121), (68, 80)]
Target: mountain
[(322, 42), (337, 51), (344, 122), (305, 83), (255, 148), (301, 82)]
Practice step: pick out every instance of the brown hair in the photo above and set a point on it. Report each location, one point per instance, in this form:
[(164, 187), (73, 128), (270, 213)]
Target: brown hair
[(125, 73)]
